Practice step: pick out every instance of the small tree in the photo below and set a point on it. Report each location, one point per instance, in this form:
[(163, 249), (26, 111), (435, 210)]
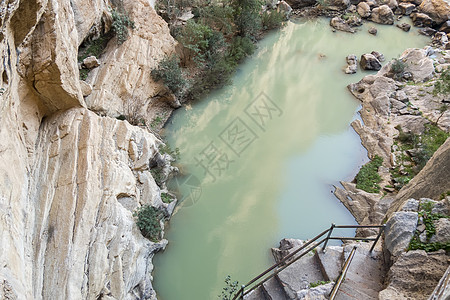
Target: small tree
[(247, 17), (148, 220), (169, 72), (120, 25)]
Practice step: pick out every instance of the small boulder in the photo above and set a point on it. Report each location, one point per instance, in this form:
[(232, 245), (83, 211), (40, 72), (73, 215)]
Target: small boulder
[(354, 20), (383, 15), (393, 4), (352, 64), (86, 88), (401, 96), (339, 24), (421, 20), (442, 234), (406, 8), (369, 62), (404, 26), (91, 62), (373, 31), (378, 55), (363, 9)]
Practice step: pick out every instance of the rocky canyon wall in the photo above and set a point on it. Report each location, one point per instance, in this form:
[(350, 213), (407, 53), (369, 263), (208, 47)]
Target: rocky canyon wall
[(69, 178)]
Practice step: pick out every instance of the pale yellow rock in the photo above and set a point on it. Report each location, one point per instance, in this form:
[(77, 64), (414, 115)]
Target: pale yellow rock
[(438, 10), (125, 72), (86, 88)]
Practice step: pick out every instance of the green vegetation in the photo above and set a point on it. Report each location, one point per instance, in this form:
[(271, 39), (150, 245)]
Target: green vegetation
[(214, 42), (421, 146), (443, 195), (320, 282), (175, 153), (398, 68), (170, 73), (368, 178), (120, 25), (148, 220), (442, 85), (166, 198), (84, 73), (230, 288), (428, 218), (93, 48), (157, 175)]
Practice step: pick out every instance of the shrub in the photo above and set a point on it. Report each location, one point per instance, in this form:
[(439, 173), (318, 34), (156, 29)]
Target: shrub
[(442, 85), (398, 68), (148, 220), (93, 48), (169, 72), (368, 178), (230, 288), (240, 48), (120, 25), (166, 198), (217, 17), (195, 38), (272, 19)]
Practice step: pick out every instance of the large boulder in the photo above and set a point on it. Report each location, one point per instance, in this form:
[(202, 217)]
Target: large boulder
[(339, 24), (442, 234), (445, 27), (363, 9), (414, 275), (418, 64), (383, 15), (399, 231), (421, 20), (438, 10), (369, 62)]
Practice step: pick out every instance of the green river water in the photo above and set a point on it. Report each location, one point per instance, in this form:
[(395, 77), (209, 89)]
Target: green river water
[(261, 156)]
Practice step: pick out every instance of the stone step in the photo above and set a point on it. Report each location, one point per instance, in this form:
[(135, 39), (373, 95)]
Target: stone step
[(300, 274), (273, 290), (330, 262), (256, 294), (365, 275)]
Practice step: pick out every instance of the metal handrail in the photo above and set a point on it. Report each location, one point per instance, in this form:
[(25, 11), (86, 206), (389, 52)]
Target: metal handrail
[(438, 293), (341, 277), (284, 263)]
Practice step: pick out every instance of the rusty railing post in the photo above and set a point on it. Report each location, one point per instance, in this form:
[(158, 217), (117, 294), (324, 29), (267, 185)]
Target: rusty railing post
[(378, 237), (328, 236)]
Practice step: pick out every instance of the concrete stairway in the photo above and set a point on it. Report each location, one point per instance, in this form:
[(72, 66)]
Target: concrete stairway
[(363, 280)]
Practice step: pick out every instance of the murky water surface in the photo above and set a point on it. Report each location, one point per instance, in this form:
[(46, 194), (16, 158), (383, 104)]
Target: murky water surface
[(262, 156)]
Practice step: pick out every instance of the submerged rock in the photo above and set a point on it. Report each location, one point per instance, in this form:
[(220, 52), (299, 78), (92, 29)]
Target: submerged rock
[(369, 62), (383, 15), (373, 30)]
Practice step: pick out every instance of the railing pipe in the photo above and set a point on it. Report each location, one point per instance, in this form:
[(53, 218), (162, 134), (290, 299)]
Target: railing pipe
[(378, 237), (341, 277), (328, 236)]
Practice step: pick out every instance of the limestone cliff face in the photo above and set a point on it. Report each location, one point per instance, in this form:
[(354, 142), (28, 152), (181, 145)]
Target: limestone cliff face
[(70, 179)]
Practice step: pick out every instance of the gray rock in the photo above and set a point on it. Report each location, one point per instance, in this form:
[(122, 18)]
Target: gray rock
[(286, 247), (409, 123), (91, 62), (401, 96), (320, 292), (363, 9), (369, 62), (339, 24), (372, 30), (378, 55), (421, 20), (438, 10), (352, 64), (330, 262), (442, 207), (428, 31), (406, 8), (404, 26), (442, 234), (381, 105), (399, 231), (383, 15), (397, 106), (411, 205)]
